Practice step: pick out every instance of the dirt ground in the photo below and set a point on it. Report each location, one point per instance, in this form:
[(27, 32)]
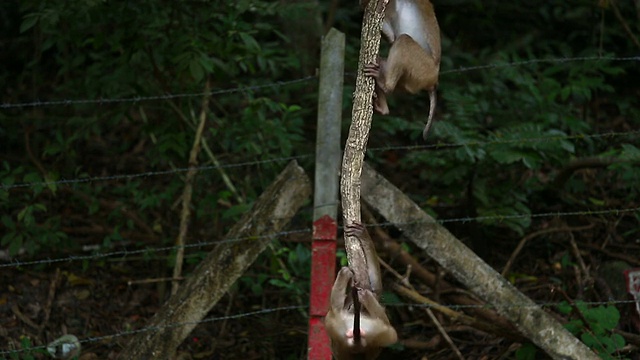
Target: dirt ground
[(104, 301)]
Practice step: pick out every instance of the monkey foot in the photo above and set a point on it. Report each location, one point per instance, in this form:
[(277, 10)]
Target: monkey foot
[(381, 109)]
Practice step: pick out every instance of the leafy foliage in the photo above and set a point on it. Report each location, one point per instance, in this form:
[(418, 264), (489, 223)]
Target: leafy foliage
[(525, 92), (526, 352), (503, 129), (597, 332), (96, 49)]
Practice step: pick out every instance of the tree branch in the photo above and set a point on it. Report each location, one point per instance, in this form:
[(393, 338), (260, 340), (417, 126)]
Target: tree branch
[(358, 135)]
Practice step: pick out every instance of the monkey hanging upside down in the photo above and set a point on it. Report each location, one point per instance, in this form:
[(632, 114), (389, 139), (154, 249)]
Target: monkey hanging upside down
[(356, 322)]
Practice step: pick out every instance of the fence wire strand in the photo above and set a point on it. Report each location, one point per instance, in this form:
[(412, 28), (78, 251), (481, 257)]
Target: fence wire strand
[(125, 253), (138, 99), (149, 173), (540, 61), (304, 156), (455, 307)]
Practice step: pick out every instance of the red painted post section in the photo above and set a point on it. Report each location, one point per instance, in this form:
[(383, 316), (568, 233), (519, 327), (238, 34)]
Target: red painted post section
[(326, 189), (323, 269)]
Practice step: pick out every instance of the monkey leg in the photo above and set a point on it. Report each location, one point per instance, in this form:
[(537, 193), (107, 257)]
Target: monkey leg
[(371, 304), (380, 102), (339, 290), (409, 67), (360, 232), (380, 99), (384, 334)]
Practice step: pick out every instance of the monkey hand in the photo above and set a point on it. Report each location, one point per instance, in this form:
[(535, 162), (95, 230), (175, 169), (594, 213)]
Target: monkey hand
[(355, 229), (372, 70)]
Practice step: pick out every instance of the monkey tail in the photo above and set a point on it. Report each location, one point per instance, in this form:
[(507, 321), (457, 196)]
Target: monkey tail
[(356, 315), (432, 110)]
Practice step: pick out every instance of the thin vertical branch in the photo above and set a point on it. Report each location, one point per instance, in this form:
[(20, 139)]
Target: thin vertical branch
[(187, 193)]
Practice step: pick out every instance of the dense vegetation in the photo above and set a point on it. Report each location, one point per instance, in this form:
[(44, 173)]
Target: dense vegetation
[(537, 128)]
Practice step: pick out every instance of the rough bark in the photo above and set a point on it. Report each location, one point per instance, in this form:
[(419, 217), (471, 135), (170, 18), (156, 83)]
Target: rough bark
[(542, 329), (358, 135), (222, 267)]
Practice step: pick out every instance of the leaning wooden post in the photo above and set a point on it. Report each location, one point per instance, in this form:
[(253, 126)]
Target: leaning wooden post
[(325, 202), (228, 260), (469, 269)]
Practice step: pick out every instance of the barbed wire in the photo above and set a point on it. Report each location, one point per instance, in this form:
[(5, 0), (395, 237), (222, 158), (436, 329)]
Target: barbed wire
[(454, 307), (538, 61), (506, 141), (303, 156), (166, 326), (137, 99), (125, 253), (150, 173), (542, 215)]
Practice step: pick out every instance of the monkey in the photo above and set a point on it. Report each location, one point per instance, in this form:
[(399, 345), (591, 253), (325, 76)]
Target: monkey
[(413, 62), (374, 331)]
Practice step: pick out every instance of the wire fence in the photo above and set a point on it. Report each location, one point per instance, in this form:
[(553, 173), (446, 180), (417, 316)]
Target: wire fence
[(247, 163), (139, 99), (202, 168), (150, 250), (455, 307), (67, 102), (124, 253), (161, 97), (147, 174)]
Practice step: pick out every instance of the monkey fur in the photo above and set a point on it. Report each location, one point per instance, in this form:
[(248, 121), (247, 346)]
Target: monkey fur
[(375, 329), (413, 62)]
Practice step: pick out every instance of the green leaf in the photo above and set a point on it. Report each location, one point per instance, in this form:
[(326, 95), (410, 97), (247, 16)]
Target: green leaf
[(526, 352), (29, 21), (15, 245), (279, 283), (196, 69), (574, 326), (589, 339), (618, 341), (7, 238), (608, 316), (8, 222), (249, 41)]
